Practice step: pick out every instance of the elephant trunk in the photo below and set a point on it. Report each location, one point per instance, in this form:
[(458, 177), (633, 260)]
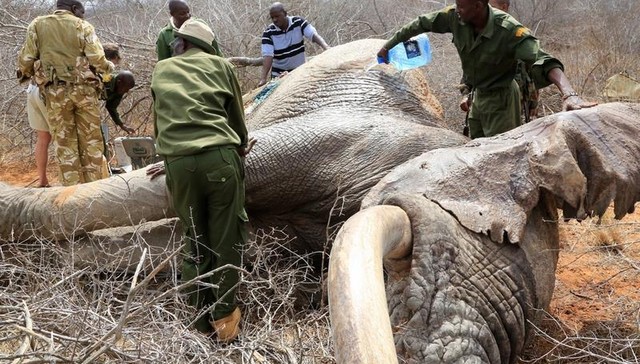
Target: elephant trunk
[(64, 212), (357, 300)]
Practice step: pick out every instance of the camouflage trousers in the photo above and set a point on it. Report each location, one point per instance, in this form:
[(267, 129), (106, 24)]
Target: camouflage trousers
[(74, 124)]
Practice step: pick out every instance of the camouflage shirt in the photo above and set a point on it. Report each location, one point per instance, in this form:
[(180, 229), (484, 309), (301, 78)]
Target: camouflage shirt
[(66, 46)]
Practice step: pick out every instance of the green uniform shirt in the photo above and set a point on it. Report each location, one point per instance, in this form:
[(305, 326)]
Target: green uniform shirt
[(197, 104), (66, 46), (166, 36), (489, 59), (113, 100)]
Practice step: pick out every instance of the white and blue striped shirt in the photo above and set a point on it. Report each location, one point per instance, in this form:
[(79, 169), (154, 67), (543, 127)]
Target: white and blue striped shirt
[(286, 46)]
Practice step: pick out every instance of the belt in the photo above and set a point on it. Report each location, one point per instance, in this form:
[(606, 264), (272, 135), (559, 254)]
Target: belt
[(493, 90), (171, 158)]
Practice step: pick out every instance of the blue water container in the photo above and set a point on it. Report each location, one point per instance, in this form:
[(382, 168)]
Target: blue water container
[(416, 52)]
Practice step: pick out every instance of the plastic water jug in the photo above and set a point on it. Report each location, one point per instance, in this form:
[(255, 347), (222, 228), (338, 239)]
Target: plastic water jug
[(415, 52)]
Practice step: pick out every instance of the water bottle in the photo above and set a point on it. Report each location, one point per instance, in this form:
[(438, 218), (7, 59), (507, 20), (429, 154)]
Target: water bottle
[(415, 52)]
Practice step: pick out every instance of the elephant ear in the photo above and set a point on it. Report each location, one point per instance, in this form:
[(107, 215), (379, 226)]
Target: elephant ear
[(585, 158)]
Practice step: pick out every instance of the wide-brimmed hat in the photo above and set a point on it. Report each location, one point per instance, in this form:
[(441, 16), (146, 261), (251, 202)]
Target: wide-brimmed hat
[(198, 33)]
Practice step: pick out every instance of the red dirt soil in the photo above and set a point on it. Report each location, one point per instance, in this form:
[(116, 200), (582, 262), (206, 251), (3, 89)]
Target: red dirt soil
[(24, 173)]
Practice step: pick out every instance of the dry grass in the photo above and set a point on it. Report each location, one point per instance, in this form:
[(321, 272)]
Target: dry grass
[(57, 304), (598, 342), (595, 312), (68, 314)]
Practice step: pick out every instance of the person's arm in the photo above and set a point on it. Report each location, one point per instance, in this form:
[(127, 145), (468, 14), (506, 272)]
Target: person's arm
[(311, 33), (235, 109), (153, 103), (546, 70), (163, 49), (267, 61), (156, 170), (320, 41), (465, 90), (113, 101), (216, 48), (570, 98), (29, 53), (268, 52), (438, 22), (94, 52)]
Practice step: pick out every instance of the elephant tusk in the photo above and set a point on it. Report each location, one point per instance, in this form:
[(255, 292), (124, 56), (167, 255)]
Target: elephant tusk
[(360, 322)]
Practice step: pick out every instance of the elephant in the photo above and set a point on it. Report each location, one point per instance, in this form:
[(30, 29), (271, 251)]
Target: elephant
[(467, 229), (468, 238), (318, 153)]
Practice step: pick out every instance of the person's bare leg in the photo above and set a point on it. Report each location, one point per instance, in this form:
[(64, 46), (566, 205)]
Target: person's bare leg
[(43, 138)]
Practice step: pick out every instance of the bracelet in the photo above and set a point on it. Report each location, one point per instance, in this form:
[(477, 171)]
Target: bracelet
[(570, 94)]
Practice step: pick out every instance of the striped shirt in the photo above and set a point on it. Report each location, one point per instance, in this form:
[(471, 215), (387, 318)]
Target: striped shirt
[(286, 46)]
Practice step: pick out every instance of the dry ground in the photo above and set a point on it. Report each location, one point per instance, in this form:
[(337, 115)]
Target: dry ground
[(595, 313), (594, 316)]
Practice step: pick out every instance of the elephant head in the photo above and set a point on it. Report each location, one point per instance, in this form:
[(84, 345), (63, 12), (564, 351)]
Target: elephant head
[(329, 132), (469, 240)]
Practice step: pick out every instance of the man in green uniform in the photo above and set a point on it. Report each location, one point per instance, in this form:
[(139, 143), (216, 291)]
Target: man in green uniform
[(528, 91), (67, 46), (114, 91), (201, 134), (180, 12), (489, 43)]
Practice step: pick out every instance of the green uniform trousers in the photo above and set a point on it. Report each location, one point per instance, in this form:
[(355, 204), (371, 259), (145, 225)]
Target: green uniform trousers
[(207, 191), (74, 122), (494, 111)]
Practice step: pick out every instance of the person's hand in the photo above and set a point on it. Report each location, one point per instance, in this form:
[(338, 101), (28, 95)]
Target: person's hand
[(242, 152), (383, 54), (464, 103), (156, 170), (262, 82), (126, 128), (575, 102)]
